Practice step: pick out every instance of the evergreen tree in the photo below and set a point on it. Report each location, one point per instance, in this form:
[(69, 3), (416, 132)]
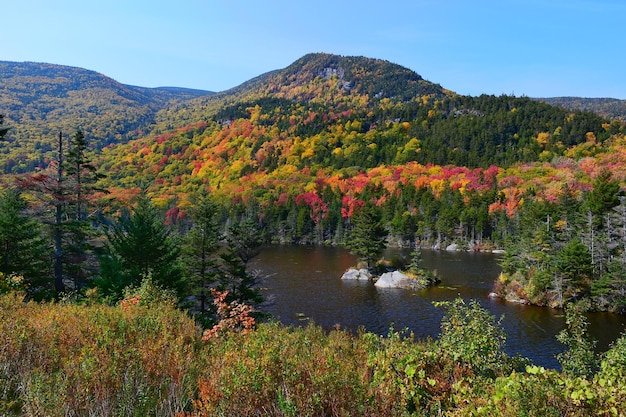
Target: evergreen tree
[(80, 182), (243, 243), (202, 243), (609, 286), (63, 190), (3, 129), (81, 174), (24, 249), (140, 246), (367, 237), (415, 266), (58, 198), (604, 195), (574, 263), (245, 239)]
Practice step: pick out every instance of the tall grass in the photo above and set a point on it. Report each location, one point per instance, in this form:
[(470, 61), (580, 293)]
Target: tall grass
[(66, 359)]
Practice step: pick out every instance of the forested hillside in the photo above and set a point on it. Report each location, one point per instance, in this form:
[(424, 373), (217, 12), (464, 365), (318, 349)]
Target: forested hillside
[(39, 99), (300, 152), (320, 113), (610, 108)]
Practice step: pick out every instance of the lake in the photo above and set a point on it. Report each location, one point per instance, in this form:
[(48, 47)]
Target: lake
[(303, 283)]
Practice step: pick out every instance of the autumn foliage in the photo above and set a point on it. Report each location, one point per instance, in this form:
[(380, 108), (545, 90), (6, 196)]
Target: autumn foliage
[(233, 317), (148, 358), (68, 359)]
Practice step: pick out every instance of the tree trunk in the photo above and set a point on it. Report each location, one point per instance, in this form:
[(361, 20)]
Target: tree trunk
[(59, 286)]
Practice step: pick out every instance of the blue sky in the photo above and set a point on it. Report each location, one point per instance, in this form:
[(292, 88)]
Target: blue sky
[(537, 48)]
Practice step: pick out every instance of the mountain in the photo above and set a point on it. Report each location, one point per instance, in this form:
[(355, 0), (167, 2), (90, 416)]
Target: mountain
[(321, 111), (316, 79), (40, 99), (281, 132), (611, 108), (374, 78), (337, 77)]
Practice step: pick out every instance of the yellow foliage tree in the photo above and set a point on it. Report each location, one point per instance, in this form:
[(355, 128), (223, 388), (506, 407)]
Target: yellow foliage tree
[(543, 139)]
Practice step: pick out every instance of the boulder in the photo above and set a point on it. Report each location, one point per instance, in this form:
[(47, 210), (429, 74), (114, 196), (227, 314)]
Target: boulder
[(357, 274), (453, 247), (395, 279)]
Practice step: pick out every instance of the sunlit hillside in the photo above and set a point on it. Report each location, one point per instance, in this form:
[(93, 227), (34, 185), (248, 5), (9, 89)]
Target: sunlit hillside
[(38, 100)]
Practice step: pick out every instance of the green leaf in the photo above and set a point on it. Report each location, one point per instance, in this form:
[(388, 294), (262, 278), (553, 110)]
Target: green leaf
[(409, 370)]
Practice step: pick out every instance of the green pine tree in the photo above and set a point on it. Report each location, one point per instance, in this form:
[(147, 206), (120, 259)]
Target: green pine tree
[(243, 242), (80, 183), (245, 239), (200, 249), (81, 175), (24, 249), (140, 246), (604, 195), (574, 263), (367, 237)]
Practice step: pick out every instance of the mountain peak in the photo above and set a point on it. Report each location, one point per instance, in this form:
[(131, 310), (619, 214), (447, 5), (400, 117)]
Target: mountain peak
[(357, 75)]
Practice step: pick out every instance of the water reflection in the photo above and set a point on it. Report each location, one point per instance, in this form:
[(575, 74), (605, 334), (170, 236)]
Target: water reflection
[(304, 284)]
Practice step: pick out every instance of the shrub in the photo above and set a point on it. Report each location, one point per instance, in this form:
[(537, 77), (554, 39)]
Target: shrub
[(11, 282), (145, 357), (539, 392), (411, 378), (580, 358), (471, 336), (62, 359), (233, 316), (284, 371)]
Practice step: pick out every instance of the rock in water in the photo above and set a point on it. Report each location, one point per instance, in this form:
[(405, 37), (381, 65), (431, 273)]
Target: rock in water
[(357, 274), (395, 279)]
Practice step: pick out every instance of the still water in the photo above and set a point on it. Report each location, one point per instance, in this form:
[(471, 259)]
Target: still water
[(302, 284)]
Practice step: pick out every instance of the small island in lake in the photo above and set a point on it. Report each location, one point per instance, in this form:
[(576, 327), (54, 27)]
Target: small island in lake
[(414, 278)]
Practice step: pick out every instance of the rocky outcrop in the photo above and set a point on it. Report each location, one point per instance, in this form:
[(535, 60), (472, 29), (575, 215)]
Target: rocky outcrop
[(357, 274)]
